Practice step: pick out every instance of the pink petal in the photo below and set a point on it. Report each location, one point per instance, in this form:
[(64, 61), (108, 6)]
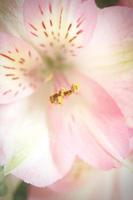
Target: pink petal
[(131, 132), (111, 185), (116, 22), (92, 123), (39, 169), (110, 56), (56, 23), (19, 69), (25, 138), (122, 91), (63, 155), (75, 179), (71, 184)]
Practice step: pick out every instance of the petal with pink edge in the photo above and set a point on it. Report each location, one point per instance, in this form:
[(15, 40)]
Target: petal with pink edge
[(109, 58), (19, 69), (75, 179), (55, 23), (93, 124), (116, 184), (25, 142)]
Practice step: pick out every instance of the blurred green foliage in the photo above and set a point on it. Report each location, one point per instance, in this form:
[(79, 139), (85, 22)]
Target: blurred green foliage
[(3, 187), (106, 3), (21, 192)]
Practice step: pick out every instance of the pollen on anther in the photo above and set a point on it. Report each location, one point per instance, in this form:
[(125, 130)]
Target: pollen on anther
[(75, 87), (58, 98)]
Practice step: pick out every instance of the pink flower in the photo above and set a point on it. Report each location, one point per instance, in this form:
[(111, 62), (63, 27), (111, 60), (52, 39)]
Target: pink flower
[(65, 114)]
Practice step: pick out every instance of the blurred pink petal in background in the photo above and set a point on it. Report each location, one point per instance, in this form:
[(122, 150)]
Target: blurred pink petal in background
[(89, 184)]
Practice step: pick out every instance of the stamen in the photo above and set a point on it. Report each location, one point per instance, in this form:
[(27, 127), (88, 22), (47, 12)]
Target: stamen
[(75, 88), (58, 98)]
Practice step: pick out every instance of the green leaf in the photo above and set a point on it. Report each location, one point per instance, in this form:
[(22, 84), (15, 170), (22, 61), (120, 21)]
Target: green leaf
[(105, 3), (21, 192)]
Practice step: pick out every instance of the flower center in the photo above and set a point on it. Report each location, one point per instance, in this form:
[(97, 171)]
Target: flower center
[(55, 63), (60, 31)]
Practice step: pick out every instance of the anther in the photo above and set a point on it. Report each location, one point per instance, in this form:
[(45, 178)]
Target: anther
[(53, 98), (75, 87), (68, 93), (62, 92), (58, 98)]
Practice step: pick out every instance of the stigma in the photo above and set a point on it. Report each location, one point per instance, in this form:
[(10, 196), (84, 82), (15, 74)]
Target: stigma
[(58, 98)]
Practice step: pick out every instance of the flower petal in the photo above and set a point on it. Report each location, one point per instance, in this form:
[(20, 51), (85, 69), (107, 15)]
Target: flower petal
[(115, 184), (75, 179), (19, 69), (57, 23), (11, 17), (93, 123), (25, 142), (110, 56)]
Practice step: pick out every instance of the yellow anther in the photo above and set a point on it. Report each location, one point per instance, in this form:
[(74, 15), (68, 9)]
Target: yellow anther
[(62, 92), (60, 100), (75, 87), (51, 99), (68, 93)]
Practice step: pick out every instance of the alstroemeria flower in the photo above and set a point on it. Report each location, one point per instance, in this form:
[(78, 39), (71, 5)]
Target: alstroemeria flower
[(69, 114)]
